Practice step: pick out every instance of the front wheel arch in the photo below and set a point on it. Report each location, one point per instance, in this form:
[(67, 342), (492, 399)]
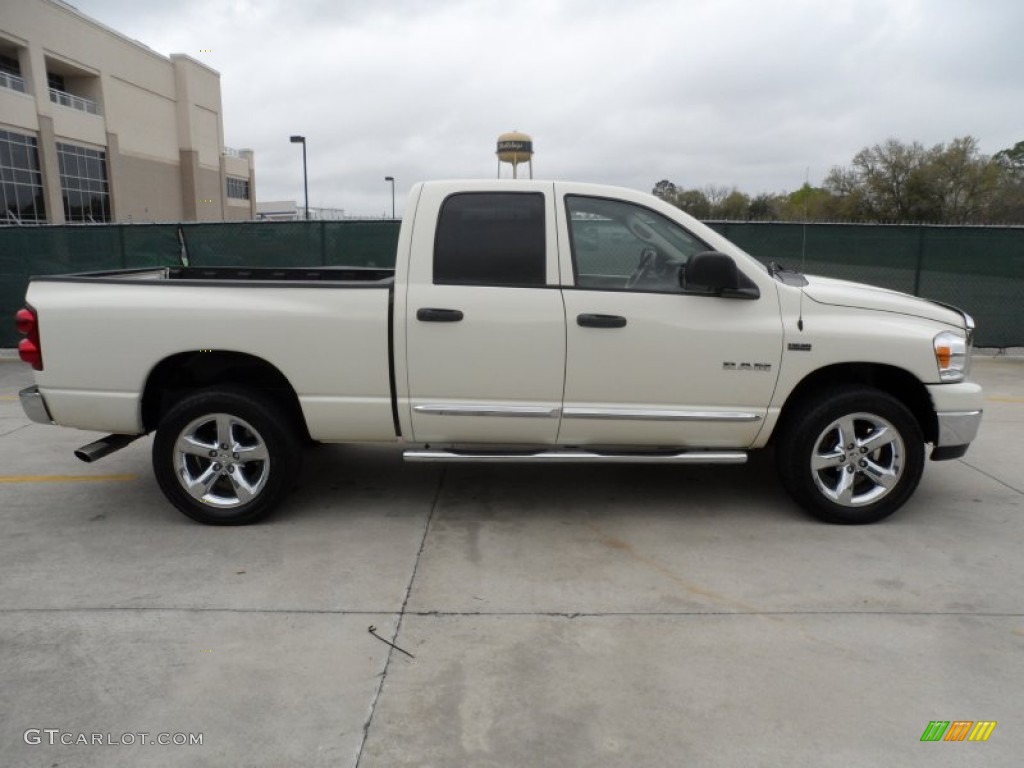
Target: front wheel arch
[(897, 382)]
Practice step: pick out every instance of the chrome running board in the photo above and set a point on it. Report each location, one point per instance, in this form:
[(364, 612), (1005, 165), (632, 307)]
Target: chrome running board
[(581, 457)]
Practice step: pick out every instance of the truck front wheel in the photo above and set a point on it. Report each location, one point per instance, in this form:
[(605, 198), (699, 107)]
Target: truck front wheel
[(225, 456), (851, 455)]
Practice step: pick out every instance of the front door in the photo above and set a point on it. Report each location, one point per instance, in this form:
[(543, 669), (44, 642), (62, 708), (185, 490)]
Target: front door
[(647, 363)]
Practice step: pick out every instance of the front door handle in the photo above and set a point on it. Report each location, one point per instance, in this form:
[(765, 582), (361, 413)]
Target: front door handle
[(432, 315), (601, 321)]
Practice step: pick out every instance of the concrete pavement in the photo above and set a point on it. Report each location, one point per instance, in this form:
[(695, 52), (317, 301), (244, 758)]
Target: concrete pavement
[(555, 616)]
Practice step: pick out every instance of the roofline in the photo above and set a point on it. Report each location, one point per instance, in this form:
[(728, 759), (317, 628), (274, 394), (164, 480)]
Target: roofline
[(68, 8)]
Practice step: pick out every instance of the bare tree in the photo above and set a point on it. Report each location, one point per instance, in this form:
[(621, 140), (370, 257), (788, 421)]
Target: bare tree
[(666, 190), (716, 194)]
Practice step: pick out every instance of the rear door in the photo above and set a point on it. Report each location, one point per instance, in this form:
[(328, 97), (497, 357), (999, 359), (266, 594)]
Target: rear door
[(485, 323)]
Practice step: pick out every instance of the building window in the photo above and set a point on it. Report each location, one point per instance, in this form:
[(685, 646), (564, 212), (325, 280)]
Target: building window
[(21, 183), (10, 74), (10, 65), (238, 189), (59, 94), (83, 183)]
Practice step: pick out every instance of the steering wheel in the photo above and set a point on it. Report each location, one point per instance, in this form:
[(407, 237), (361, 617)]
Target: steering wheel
[(648, 257)]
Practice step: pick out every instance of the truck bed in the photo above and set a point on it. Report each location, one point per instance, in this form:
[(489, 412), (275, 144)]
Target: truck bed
[(323, 329)]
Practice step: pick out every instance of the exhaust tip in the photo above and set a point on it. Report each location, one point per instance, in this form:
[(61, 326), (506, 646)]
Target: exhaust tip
[(84, 455), (104, 446)]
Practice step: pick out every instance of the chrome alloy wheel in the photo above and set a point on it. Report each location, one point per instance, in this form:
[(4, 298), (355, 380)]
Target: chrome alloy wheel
[(221, 460), (857, 459)]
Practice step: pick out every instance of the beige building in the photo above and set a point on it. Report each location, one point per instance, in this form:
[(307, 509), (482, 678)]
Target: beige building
[(97, 127)]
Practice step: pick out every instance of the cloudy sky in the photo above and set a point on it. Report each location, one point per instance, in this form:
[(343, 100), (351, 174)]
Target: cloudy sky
[(751, 93)]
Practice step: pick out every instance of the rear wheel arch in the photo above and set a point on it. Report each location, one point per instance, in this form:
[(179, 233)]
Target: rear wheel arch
[(177, 376)]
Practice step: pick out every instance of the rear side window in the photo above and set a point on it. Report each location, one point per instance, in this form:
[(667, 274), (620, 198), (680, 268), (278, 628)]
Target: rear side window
[(491, 238)]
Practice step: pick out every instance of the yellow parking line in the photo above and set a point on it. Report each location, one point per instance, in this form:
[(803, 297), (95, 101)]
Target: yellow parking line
[(65, 478), (8, 397)]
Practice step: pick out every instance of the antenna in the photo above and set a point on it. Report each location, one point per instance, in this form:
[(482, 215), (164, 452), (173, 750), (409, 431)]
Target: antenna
[(803, 244)]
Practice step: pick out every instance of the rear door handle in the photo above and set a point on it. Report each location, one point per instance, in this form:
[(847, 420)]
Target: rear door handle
[(432, 315), (601, 321)]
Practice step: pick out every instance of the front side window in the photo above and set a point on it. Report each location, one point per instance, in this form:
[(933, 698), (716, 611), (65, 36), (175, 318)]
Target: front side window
[(621, 246), (491, 238), (83, 183)]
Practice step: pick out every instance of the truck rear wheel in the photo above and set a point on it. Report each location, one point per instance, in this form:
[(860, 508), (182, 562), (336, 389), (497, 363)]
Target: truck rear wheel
[(226, 456), (851, 455)]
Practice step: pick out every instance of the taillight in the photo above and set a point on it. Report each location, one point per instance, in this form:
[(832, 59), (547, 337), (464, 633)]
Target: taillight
[(29, 348), (25, 321)]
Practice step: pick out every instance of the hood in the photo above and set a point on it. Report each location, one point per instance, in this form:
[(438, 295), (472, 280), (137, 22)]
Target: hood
[(844, 293)]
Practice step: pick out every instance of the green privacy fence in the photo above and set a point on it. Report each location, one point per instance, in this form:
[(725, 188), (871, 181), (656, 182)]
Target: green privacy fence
[(291, 243), (27, 251), (980, 269)]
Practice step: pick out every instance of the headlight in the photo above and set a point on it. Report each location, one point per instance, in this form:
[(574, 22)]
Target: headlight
[(951, 356)]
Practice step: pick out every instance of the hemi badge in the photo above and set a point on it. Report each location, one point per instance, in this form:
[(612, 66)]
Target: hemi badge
[(799, 347)]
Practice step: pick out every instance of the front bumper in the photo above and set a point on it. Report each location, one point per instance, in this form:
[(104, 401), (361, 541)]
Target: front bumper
[(958, 427), (956, 432), (34, 406)]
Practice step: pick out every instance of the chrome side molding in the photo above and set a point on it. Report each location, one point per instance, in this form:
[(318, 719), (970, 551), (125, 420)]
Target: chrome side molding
[(528, 411), (656, 414), (604, 414)]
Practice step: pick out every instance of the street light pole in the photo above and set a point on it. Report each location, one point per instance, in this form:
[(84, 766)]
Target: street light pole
[(392, 180), (305, 177)]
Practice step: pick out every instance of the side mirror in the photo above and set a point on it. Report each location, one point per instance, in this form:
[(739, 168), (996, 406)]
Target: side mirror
[(711, 273)]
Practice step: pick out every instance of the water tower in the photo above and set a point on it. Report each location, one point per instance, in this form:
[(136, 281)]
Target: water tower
[(515, 148)]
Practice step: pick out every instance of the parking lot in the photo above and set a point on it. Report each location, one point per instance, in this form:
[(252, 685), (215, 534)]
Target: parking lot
[(543, 616)]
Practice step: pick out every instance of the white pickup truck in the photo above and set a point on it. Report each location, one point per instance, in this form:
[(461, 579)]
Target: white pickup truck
[(524, 321)]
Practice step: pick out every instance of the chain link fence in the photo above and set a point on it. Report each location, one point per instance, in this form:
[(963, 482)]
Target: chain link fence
[(980, 269)]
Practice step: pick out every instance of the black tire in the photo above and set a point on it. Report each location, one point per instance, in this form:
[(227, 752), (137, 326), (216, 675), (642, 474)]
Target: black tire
[(850, 485), (241, 483)]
